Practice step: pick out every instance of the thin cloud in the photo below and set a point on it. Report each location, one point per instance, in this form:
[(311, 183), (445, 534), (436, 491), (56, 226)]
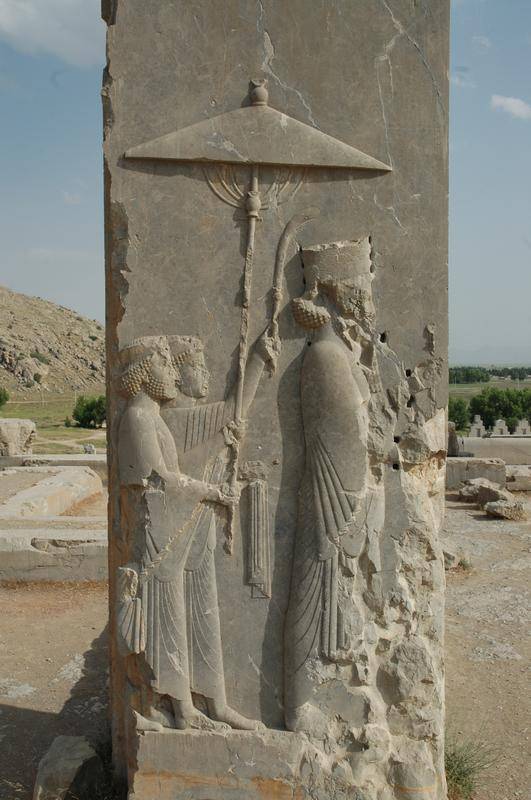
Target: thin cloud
[(71, 199), (511, 105), (68, 29), (460, 77), (482, 41), (462, 81)]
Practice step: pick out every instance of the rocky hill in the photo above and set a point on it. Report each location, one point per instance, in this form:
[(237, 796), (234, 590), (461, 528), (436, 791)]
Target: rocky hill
[(43, 345)]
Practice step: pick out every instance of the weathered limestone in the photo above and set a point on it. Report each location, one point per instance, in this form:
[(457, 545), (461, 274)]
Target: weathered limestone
[(45, 554), (493, 499), (523, 428), (518, 478), (58, 490), (500, 428), (461, 470), (71, 768), (453, 441), (481, 491), (276, 348), (477, 428), (506, 509), (16, 436)]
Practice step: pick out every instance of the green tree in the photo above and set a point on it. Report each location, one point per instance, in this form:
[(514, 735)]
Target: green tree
[(468, 375), (90, 412), (4, 396), (508, 404), (458, 412)]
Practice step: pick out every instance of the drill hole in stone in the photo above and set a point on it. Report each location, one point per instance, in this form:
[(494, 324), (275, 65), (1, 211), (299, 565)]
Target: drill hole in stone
[(410, 401), (396, 465), (396, 439), (408, 373), (383, 336)]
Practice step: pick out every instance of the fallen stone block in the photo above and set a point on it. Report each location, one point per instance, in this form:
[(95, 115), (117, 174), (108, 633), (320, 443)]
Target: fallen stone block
[(16, 436), (59, 490), (70, 769), (506, 510), (482, 491), (45, 554), (461, 470), (519, 478)]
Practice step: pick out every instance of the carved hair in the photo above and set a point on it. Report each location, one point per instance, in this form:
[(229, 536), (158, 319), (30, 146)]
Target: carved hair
[(136, 362), (184, 348)]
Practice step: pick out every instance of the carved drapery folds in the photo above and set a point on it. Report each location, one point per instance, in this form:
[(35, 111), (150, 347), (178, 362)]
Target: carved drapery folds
[(278, 542)]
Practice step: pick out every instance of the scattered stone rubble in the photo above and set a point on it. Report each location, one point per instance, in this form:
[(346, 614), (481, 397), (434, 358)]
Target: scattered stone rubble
[(493, 499)]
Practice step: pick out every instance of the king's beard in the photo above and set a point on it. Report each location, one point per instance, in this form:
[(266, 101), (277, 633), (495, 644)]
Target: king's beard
[(308, 315)]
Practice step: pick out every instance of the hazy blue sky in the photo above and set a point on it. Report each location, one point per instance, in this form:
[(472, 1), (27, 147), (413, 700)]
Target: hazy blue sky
[(51, 219)]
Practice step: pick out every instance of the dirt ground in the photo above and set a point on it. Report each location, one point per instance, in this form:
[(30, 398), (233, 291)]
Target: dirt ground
[(53, 675), (53, 659), (487, 645)]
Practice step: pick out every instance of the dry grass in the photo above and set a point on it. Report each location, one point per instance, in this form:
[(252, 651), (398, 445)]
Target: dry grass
[(464, 762)]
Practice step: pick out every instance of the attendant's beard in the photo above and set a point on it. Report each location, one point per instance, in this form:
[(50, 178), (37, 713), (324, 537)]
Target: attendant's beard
[(308, 315)]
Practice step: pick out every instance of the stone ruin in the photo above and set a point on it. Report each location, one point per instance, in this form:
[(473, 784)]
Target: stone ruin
[(500, 428), (17, 437), (523, 428), (477, 428), (277, 359)]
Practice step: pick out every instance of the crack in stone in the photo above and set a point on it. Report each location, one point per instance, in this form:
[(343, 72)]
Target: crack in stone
[(402, 31), (269, 55)]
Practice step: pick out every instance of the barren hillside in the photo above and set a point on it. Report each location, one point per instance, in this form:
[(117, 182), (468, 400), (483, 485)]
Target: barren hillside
[(49, 346)]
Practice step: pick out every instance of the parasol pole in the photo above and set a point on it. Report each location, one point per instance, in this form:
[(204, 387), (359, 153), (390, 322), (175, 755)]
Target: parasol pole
[(253, 204)]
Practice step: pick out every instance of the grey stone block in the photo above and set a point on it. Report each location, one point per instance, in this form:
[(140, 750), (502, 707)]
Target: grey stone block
[(47, 554), (461, 470), (274, 546)]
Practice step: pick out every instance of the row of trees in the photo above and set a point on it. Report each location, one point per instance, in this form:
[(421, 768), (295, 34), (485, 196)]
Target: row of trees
[(469, 375), (483, 374), (491, 404)]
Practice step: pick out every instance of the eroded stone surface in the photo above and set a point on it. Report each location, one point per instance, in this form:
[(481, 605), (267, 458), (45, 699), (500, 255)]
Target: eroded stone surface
[(463, 469), (16, 437), (481, 491), (506, 509), (277, 365), (70, 768), (56, 489)]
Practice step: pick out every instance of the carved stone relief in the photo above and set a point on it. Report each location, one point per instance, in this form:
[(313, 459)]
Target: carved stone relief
[(168, 618), (275, 521)]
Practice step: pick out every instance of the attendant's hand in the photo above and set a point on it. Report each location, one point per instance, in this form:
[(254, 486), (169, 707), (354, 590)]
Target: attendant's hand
[(268, 346)]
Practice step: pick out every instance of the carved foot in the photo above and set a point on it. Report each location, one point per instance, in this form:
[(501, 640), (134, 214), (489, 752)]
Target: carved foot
[(197, 721), (145, 724), (231, 717)]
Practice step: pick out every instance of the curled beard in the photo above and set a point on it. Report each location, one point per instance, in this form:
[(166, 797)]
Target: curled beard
[(308, 315)]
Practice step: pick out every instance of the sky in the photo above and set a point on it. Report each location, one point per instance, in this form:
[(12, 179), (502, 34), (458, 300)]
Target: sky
[(51, 215)]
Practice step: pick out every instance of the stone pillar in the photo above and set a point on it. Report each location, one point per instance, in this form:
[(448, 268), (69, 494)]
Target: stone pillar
[(276, 247)]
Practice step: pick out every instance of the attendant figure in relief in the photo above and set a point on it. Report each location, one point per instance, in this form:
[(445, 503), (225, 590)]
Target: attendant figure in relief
[(168, 615)]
